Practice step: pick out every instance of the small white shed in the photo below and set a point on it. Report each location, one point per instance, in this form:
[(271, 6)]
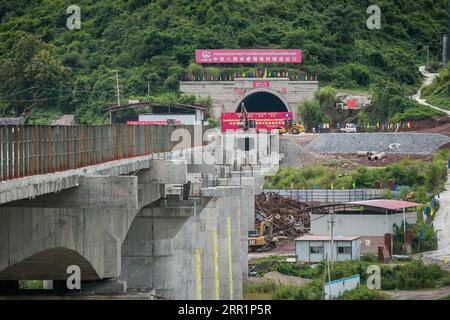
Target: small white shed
[(314, 248)]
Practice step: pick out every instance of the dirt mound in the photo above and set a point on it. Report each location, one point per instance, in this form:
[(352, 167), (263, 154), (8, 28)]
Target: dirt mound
[(435, 125), (65, 120)]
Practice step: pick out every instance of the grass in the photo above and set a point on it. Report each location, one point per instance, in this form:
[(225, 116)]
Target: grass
[(261, 290), (257, 296), (418, 175), (437, 101), (31, 284)]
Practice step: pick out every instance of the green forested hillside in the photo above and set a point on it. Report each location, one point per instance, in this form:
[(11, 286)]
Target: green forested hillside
[(46, 69), (438, 93)]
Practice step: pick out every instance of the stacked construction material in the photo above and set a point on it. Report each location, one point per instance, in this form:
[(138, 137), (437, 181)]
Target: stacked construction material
[(290, 217)]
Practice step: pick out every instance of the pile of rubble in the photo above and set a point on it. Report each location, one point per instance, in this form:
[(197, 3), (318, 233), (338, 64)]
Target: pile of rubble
[(290, 217)]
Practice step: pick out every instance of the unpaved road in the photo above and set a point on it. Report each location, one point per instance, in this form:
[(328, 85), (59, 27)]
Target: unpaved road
[(442, 224), (433, 294), (428, 79)]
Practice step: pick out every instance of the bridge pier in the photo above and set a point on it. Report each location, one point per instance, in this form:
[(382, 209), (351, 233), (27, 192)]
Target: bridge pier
[(191, 249)]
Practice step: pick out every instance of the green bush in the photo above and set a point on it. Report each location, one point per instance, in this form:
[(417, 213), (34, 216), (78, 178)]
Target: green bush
[(310, 291), (363, 293), (260, 287), (411, 276), (369, 257), (416, 113), (31, 284), (386, 194), (212, 123), (420, 176)]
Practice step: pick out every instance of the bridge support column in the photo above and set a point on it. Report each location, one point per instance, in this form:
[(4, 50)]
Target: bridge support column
[(196, 249)]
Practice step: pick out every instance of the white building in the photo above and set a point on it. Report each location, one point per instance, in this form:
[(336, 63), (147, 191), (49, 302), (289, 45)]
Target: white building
[(177, 119), (370, 220), (312, 248)]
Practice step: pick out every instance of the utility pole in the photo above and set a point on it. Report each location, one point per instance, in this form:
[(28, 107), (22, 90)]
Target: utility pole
[(330, 252), (148, 88), (332, 222), (117, 86), (428, 56)]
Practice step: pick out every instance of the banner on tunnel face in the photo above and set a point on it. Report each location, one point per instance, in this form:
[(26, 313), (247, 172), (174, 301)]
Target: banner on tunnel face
[(248, 56), (264, 120)]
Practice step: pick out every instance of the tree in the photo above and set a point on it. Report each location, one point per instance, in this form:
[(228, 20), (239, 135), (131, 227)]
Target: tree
[(33, 77), (310, 113), (436, 174), (326, 97)]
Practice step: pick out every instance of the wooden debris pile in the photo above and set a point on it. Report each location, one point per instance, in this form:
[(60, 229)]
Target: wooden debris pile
[(290, 217)]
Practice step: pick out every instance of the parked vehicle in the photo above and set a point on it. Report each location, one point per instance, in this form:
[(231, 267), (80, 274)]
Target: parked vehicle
[(350, 128)]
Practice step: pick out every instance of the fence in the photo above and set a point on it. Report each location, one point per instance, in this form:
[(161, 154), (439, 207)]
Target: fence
[(31, 150), (331, 196)]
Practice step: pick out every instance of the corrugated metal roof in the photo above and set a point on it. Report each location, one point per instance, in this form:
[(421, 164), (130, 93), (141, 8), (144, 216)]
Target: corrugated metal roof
[(311, 237), (387, 204)]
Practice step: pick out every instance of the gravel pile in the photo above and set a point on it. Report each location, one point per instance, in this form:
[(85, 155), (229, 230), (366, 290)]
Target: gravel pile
[(398, 143)]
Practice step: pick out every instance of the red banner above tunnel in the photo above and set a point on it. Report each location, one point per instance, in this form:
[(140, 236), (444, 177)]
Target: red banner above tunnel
[(248, 56), (264, 120)]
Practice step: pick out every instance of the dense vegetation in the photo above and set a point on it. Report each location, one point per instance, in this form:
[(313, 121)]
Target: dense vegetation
[(402, 276), (46, 69), (424, 178), (438, 93)]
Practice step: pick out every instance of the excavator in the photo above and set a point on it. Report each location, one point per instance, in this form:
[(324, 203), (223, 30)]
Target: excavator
[(259, 240)]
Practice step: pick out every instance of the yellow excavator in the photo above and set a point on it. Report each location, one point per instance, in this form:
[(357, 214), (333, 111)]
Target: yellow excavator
[(262, 240), (289, 126)]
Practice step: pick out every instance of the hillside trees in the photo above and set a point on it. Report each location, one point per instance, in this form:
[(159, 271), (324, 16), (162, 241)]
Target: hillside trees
[(147, 38), (33, 77)]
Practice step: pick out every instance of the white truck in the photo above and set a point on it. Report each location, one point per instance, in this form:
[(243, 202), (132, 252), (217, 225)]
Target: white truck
[(349, 128)]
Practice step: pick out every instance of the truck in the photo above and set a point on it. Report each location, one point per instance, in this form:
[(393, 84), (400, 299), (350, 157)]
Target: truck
[(349, 128)]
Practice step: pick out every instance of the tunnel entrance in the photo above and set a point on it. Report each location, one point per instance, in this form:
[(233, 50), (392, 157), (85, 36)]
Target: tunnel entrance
[(263, 102)]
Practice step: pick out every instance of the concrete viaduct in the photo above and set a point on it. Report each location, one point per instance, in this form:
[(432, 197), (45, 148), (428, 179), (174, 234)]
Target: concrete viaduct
[(227, 96), (120, 204)]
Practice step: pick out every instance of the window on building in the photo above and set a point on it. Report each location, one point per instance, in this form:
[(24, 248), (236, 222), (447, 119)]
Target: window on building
[(316, 250), (344, 250)]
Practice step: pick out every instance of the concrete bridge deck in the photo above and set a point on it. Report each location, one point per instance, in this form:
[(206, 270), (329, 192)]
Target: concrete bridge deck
[(137, 218)]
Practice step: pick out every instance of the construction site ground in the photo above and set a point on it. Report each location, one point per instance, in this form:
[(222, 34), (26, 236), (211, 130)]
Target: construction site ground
[(339, 149), (430, 294), (285, 247)]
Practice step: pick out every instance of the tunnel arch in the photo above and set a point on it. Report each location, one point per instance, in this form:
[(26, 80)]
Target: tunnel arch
[(263, 100)]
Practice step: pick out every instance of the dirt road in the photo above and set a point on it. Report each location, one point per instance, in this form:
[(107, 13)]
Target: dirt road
[(442, 225), (428, 79), (433, 294)]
